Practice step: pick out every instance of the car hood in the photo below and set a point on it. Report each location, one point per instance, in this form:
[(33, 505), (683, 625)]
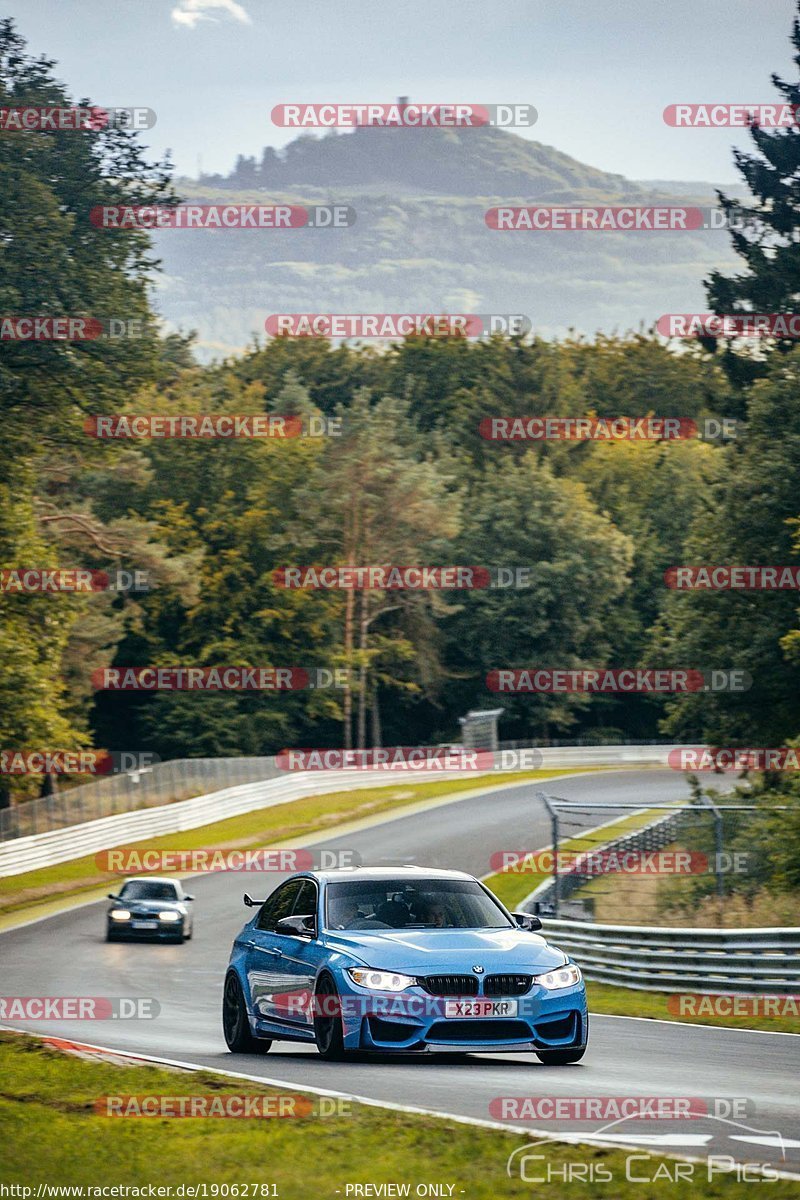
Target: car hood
[(449, 951), (150, 905)]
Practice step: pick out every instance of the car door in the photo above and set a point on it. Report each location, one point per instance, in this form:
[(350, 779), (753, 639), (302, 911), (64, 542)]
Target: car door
[(301, 959), (266, 971)]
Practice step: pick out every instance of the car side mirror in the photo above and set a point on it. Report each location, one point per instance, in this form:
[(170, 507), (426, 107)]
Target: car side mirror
[(249, 902), (527, 921), (295, 927), (111, 896), (186, 896)]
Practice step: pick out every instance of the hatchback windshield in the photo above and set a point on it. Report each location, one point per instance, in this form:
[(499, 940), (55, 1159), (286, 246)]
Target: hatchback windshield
[(417, 904), (144, 889)]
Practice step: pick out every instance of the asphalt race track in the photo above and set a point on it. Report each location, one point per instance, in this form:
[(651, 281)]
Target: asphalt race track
[(65, 955)]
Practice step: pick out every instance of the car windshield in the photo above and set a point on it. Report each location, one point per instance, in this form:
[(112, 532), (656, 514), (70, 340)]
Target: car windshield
[(417, 904), (148, 889)]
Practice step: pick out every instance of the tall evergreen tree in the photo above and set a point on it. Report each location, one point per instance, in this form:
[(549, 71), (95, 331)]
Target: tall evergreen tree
[(765, 231)]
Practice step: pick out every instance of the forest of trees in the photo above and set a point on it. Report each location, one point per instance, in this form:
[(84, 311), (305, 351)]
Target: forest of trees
[(410, 480)]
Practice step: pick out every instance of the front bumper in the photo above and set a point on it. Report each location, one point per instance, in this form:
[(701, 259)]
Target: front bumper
[(165, 931), (413, 1022)]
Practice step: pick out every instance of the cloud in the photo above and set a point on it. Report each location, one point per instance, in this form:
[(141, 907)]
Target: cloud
[(190, 12)]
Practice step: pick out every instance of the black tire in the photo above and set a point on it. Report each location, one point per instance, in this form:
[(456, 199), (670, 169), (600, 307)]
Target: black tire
[(235, 1025), (328, 1031), (111, 937), (560, 1058)]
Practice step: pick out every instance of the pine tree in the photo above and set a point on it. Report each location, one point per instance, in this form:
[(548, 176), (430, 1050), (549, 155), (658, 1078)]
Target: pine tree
[(765, 232)]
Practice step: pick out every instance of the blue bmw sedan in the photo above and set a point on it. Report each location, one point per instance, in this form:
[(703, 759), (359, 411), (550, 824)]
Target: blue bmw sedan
[(399, 959)]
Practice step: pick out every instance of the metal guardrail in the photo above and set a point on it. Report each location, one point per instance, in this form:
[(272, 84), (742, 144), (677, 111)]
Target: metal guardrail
[(157, 811), (657, 958), (183, 778), (703, 960), (149, 787), (76, 841)]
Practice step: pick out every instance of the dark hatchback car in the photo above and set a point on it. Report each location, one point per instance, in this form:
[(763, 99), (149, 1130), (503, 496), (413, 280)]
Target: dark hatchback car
[(150, 908)]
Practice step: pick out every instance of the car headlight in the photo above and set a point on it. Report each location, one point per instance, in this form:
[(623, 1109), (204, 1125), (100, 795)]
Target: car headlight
[(566, 976), (120, 914), (169, 915), (380, 981)]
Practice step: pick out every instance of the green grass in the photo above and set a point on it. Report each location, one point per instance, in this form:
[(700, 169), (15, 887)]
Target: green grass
[(513, 886), (627, 1002), (53, 1135), (34, 891)]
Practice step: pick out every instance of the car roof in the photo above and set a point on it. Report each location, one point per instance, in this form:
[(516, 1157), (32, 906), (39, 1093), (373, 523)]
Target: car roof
[(340, 874), (153, 879)]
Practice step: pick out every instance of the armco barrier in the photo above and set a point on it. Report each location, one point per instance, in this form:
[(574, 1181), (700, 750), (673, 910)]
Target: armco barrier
[(145, 787), (698, 960), (184, 778), (59, 845)]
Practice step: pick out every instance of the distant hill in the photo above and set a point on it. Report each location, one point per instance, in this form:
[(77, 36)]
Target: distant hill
[(451, 162), (420, 242)]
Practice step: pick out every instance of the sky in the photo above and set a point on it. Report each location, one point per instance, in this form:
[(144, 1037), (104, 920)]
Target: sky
[(599, 75)]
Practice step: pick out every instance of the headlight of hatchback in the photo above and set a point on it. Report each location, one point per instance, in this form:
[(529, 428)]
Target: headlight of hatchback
[(566, 976), (380, 981), (120, 914), (169, 914)]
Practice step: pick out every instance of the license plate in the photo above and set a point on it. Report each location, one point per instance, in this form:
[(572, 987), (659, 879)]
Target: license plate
[(480, 1008), (144, 924)]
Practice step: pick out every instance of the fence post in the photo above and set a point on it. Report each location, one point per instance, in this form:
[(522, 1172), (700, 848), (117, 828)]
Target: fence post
[(555, 833), (718, 845)]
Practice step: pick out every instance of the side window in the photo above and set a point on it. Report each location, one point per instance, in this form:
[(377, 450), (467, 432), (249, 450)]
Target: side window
[(278, 905), (306, 903)]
